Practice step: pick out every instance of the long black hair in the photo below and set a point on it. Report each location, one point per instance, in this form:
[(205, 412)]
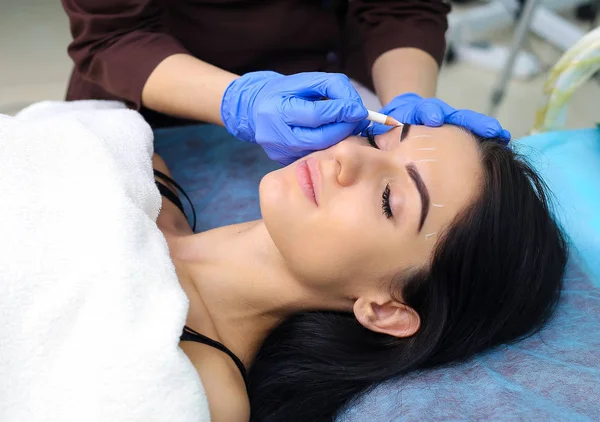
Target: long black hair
[(495, 277)]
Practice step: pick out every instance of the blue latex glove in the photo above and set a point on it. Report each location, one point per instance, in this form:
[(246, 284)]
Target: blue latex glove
[(413, 109), (285, 114)]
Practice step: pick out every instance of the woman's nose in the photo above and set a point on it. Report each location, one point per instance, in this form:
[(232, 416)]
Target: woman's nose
[(355, 161)]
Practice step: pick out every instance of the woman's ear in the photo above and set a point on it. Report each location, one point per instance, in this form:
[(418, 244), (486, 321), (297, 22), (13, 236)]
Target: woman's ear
[(387, 316)]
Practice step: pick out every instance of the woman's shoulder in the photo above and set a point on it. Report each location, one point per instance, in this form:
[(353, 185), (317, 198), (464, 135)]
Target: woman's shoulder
[(222, 381)]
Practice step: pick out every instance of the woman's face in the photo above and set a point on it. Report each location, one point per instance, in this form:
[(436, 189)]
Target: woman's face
[(354, 215)]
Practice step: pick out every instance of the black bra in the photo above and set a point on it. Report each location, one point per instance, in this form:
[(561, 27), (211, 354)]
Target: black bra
[(168, 193), (189, 334)]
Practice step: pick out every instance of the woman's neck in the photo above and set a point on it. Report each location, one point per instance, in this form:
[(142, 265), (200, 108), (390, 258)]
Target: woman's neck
[(243, 282)]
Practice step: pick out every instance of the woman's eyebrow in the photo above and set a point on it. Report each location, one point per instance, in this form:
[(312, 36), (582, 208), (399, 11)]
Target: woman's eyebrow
[(404, 132), (414, 174)]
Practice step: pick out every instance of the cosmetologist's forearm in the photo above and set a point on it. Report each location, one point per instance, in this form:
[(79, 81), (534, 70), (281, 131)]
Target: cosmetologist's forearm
[(404, 70), (186, 87)]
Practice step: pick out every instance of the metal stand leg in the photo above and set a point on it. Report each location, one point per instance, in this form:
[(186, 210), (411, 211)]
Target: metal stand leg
[(520, 33)]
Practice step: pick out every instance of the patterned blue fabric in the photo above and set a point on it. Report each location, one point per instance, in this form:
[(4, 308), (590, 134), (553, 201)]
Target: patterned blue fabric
[(218, 172), (569, 162), (553, 376)]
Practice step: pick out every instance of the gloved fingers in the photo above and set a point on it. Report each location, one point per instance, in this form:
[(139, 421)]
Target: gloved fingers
[(322, 137), (401, 101), (362, 125), (505, 136), (335, 86), (282, 155), (478, 123), (403, 109), (445, 107), (296, 111), (286, 161), (428, 113), (411, 108)]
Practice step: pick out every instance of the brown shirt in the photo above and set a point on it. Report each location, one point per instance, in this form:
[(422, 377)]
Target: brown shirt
[(118, 43)]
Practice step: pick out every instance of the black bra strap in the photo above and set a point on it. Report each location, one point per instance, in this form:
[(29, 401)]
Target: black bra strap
[(170, 195), (192, 335)]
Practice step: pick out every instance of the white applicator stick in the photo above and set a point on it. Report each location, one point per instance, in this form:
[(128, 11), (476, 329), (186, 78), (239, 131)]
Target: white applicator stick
[(382, 118)]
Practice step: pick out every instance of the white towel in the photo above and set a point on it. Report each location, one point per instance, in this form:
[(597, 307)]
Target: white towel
[(90, 306)]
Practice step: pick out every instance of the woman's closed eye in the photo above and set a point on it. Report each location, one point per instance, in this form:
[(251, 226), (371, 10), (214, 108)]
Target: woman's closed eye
[(385, 202), (385, 197)]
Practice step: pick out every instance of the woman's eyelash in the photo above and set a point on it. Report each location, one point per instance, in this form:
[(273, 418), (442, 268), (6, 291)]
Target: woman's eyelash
[(371, 137), (385, 197), (385, 202)]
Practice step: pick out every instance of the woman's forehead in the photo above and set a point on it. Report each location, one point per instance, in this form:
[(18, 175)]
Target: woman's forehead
[(449, 161), (454, 134)]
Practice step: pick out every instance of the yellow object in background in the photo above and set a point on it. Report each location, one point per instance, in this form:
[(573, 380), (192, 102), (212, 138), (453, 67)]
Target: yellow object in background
[(574, 68)]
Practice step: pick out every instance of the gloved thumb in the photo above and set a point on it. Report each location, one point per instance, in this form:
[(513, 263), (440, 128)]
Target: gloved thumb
[(429, 113)]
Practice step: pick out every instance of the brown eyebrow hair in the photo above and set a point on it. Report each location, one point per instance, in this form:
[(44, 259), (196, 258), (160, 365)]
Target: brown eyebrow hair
[(414, 174)]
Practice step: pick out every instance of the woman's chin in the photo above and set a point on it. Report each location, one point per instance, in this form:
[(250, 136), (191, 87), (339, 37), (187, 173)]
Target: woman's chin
[(281, 206), (273, 194)]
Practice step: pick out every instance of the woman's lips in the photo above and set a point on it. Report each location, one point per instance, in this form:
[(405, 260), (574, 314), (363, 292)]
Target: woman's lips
[(315, 175), (307, 173)]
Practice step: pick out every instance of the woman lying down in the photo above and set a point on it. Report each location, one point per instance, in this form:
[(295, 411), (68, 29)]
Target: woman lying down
[(374, 258)]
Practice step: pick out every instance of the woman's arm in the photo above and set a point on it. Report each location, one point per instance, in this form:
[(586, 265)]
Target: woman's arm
[(404, 43), (183, 86), (123, 47), (404, 70)]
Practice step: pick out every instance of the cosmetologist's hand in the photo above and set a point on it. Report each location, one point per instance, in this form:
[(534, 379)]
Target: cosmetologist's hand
[(285, 114), (413, 109)]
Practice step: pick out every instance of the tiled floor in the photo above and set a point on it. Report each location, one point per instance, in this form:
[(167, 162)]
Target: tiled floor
[(34, 66)]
